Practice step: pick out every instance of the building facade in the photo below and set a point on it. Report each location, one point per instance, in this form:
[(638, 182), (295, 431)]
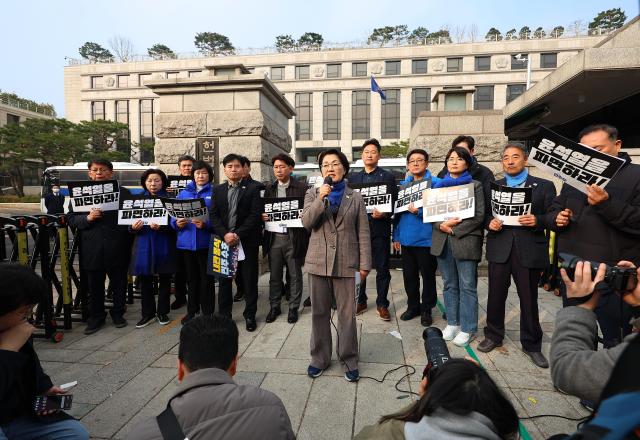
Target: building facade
[(330, 89)]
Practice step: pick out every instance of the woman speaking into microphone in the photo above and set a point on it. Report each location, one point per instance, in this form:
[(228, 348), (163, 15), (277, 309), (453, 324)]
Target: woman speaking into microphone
[(339, 247)]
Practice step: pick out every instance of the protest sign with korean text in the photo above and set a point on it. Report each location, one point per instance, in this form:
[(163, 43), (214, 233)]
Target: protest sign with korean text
[(411, 193), (146, 208), (441, 204), (87, 195), (222, 258), (507, 203), (191, 209), (177, 184), (573, 163), (283, 213), (375, 195)]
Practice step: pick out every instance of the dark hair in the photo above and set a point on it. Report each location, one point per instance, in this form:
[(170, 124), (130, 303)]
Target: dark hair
[(100, 161), (517, 145), (208, 342), (198, 165), (470, 141), (284, 158), (418, 151), (462, 153), (230, 158), (185, 157), (244, 161), (372, 141), (343, 159), (19, 286), (611, 131), (150, 171), (461, 387)]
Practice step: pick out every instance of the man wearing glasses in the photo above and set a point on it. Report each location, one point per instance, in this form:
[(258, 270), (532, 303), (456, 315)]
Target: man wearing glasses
[(105, 250), (379, 227)]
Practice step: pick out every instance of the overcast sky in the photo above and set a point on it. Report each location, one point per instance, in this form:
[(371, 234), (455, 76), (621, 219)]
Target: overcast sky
[(37, 35)]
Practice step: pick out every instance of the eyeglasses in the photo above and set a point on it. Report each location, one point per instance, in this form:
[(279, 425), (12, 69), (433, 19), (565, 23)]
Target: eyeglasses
[(416, 161), (326, 166)]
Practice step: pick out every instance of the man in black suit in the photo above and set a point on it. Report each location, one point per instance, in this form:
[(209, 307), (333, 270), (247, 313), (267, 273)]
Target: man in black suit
[(478, 171), (236, 217), (518, 251)]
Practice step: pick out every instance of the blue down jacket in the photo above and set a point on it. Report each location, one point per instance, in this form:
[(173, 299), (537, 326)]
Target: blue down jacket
[(191, 238)]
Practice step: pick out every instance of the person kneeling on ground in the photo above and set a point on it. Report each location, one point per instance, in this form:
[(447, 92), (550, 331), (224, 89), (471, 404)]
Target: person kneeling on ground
[(576, 367), (457, 400), (21, 375), (208, 404)]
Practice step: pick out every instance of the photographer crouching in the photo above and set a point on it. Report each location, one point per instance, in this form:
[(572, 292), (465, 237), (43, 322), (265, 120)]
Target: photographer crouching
[(576, 367), (458, 399)]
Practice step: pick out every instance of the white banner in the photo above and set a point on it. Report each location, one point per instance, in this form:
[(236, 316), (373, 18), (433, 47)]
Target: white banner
[(441, 204)]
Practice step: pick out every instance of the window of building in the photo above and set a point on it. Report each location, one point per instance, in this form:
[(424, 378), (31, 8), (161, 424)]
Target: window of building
[(302, 72), (420, 102), (194, 73), (123, 80), (123, 142), (392, 68), (304, 116), (455, 102), (514, 90), (97, 110), (331, 114), (483, 98), (143, 77), (277, 73), (251, 69), (334, 70), (360, 101), (548, 60), (391, 114), (483, 63), (518, 65), (311, 154), (454, 64), (359, 69), (146, 127), (97, 82), (12, 119), (418, 66), (172, 75)]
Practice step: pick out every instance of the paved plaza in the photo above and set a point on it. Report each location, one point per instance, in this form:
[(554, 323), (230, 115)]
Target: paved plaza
[(126, 375)]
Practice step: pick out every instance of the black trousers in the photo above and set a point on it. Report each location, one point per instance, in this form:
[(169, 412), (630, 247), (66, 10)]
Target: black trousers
[(527, 285), (380, 251), (417, 261), (148, 297), (118, 284), (202, 291), (180, 280), (249, 276)]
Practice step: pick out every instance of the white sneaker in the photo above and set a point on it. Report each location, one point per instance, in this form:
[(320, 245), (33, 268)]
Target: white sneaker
[(450, 332), (463, 339)]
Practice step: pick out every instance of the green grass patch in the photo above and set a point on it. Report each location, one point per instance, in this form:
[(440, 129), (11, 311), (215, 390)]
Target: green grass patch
[(16, 199)]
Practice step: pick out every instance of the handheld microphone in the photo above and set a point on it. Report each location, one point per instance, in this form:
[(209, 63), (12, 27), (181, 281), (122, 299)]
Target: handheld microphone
[(327, 181)]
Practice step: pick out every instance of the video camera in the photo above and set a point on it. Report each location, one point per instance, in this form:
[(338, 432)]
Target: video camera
[(618, 279), (435, 347)]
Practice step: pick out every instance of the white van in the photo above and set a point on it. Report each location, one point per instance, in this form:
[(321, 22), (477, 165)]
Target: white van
[(396, 166)]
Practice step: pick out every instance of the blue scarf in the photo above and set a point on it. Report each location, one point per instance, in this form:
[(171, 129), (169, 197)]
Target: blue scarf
[(335, 196), (447, 180), (518, 179)]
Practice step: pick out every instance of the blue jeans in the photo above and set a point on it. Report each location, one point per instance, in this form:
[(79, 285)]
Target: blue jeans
[(26, 428), (460, 278)]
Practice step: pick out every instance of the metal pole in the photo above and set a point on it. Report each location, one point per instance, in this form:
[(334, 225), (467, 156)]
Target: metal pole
[(528, 71)]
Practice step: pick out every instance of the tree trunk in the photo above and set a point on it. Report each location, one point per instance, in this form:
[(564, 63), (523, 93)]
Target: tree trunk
[(17, 181)]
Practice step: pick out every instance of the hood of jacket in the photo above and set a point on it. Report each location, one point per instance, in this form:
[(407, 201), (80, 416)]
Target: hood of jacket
[(445, 425)]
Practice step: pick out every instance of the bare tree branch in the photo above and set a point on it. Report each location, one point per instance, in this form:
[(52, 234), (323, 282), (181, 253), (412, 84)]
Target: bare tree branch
[(122, 47), (473, 32), (459, 32)]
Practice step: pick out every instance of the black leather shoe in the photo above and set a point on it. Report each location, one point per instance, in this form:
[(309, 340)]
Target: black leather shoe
[(409, 314), (307, 302), (425, 318), (293, 316), (186, 318), (273, 314), (486, 345), (93, 327), (251, 324), (119, 321), (178, 302), (239, 296), (537, 358)]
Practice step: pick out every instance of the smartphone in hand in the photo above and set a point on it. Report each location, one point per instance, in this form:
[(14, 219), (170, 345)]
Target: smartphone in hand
[(53, 402)]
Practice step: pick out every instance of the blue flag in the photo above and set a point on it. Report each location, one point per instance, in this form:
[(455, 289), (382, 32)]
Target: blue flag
[(376, 89)]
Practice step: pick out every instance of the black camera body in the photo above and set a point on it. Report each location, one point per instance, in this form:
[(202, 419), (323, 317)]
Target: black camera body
[(618, 279), (435, 347)]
